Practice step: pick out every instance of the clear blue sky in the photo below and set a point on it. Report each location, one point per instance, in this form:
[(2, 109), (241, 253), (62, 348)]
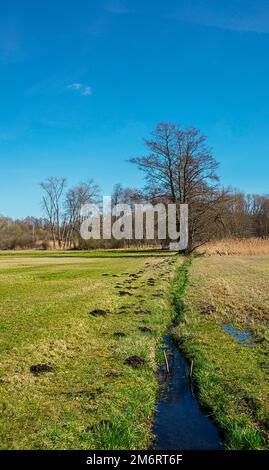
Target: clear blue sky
[(82, 82)]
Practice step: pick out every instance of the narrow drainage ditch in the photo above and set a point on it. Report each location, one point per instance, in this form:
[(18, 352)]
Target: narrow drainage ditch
[(180, 423)]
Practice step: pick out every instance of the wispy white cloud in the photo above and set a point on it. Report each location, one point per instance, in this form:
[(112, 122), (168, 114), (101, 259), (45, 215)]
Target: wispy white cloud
[(87, 91), (84, 90), (75, 86)]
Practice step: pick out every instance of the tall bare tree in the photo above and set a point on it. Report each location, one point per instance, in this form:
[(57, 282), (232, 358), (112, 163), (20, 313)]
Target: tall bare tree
[(180, 168), (53, 188), (84, 193)]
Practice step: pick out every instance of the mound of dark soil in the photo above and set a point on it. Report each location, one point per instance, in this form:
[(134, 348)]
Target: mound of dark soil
[(135, 361), (119, 334), (145, 329), (98, 313), (40, 368), (208, 309)]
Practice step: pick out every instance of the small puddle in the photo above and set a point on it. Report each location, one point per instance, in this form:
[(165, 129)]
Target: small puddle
[(241, 336), (180, 423)]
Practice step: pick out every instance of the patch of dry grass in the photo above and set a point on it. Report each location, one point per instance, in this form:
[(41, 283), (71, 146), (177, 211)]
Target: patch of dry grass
[(242, 247), (232, 377)]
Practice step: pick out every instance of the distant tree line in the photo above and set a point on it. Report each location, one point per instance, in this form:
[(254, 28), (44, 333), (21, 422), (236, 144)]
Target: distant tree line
[(31, 232), (179, 168)]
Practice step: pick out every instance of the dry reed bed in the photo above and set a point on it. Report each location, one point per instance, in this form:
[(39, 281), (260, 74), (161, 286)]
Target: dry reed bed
[(243, 247)]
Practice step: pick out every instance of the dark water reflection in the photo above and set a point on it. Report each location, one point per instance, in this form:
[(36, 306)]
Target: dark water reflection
[(180, 424)]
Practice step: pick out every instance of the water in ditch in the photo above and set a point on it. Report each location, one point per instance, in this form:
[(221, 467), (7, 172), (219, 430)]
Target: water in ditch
[(180, 423), (242, 336)]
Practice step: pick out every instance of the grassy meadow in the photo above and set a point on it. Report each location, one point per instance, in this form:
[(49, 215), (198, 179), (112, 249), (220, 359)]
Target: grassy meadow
[(94, 322), (224, 331), (88, 397)]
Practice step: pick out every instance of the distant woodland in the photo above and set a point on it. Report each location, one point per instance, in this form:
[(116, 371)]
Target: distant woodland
[(179, 168)]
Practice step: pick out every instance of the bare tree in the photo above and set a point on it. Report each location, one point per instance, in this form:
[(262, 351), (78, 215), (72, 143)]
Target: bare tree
[(181, 169), (260, 213), (53, 188), (247, 215), (84, 193), (117, 194)]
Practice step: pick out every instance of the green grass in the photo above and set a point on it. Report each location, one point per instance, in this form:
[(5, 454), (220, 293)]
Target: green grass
[(231, 378), (84, 253), (91, 399)]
